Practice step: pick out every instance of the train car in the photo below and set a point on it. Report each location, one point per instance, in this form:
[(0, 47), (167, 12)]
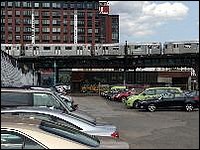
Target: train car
[(181, 47), (108, 50), (11, 49), (154, 48), (47, 49)]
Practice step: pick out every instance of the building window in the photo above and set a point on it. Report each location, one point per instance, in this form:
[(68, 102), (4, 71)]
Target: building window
[(45, 21), (2, 36), (65, 38), (36, 13), (27, 29), (17, 4), (27, 37), (56, 22), (2, 20), (56, 37), (45, 38), (56, 30), (9, 12), (37, 21), (36, 4), (9, 36), (3, 4), (27, 21), (17, 13), (81, 23), (2, 13), (37, 29), (10, 4), (96, 30), (27, 12), (26, 4), (47, 5), (45, 29), (17, 20), (17, 29), (65, 21), (56, 13), (46, 13), (89, 30), (56, 5), (2, 28), (17, 37), (81, 30), (10, 20)]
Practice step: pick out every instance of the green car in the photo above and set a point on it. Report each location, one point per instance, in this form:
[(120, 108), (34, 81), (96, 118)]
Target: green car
[(131, 102)]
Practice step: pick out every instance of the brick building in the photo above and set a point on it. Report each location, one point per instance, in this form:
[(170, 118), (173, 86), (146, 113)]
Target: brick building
[(63, 22)]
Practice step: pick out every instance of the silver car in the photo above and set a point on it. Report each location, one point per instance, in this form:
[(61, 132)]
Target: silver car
[(25, 133), (38, 96), (45, 113)]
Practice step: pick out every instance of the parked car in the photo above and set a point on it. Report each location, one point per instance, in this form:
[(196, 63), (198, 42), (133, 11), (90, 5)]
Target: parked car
[(194, 94), (122, 96), (131, 102), (21, 133), (169, 100), (24, 133), (60, 93), (13, 97), (43, 113)]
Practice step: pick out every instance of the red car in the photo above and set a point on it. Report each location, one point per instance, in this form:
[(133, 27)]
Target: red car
[(124, 94)]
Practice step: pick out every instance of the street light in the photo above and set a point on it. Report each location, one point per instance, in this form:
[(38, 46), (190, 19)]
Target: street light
[(125, 61)]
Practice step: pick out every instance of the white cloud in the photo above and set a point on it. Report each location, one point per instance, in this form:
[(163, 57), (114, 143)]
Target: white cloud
[(142, 18)]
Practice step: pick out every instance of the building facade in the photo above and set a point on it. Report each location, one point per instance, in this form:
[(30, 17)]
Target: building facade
[(63, 22)]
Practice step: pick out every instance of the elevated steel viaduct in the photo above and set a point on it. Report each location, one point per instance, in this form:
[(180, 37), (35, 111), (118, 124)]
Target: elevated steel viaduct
[(122, 62)]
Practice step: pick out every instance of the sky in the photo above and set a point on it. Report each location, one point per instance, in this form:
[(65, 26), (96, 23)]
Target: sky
[(157, 21)]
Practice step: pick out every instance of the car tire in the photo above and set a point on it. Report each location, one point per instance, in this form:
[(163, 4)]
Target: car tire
[(189, 107), (135, 104), (151, 107)]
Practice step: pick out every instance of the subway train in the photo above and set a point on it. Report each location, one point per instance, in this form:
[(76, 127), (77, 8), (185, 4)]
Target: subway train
[(133, 49)]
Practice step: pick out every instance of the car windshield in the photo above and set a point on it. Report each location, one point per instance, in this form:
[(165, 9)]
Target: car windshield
[(64, 102), (70, 133)]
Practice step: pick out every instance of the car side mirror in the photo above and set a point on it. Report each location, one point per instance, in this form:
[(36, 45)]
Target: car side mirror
[(76, 106)]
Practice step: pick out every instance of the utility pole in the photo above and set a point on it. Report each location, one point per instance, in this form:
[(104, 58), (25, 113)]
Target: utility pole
[(125, 62)]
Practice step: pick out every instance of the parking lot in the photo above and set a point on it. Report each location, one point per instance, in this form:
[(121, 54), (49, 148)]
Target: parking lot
[(163, 129)]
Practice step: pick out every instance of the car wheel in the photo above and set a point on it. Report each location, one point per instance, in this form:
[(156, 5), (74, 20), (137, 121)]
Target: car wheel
[(189, 107), (135, 104), (151, 107)]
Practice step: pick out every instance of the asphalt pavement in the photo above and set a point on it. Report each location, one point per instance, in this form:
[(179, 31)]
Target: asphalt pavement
[(163, 129)]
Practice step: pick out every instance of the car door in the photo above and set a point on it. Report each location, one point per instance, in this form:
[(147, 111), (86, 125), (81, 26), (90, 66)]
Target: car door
[(179, 100), (14, 140), (44, 99), (166, 100)]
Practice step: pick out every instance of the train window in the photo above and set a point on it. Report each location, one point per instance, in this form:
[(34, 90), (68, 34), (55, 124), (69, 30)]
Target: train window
[(137, 46), (187, 45), (115, 48), (68, 48), (57, 48), (175, 45), (47, 48)]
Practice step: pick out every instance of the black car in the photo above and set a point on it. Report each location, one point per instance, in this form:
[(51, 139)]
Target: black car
[(169, 100)]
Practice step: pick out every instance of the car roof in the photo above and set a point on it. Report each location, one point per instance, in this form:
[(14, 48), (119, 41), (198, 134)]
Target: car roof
[(45, 110), (27, 90), (164, 87), (31, 127)]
